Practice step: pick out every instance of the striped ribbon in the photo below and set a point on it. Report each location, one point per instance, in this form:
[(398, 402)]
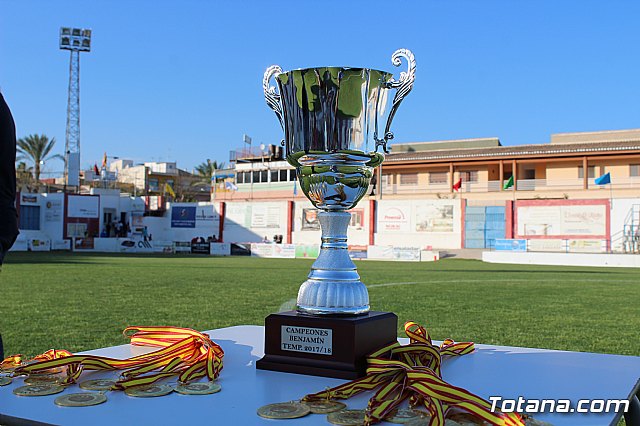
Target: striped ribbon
[(413, 372), (184, 352)]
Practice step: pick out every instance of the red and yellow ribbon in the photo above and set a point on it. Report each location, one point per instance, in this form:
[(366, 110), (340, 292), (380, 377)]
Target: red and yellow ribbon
[(413, 372), (186, 353)]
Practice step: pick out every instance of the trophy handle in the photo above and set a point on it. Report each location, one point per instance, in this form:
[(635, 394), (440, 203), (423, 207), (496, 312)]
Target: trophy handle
[(404, 85), (273, 98)]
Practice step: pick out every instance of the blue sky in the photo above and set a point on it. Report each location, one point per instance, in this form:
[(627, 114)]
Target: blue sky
[(181, 80)]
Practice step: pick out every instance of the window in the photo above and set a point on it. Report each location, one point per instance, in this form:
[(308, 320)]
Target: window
[(529, 174), (274, 176), (283, 175), (153, 184), (591, 170), (256, 177), (634, 170), (292, 175), (240, 177), (469, 176), (438, 177), (264, 176), (247, 177), (30, 217), (408, 179)]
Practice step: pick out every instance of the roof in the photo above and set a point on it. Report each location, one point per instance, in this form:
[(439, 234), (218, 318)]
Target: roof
[(564, 149)]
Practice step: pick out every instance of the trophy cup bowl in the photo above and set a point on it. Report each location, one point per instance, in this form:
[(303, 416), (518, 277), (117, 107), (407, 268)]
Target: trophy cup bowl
[(332, 119)]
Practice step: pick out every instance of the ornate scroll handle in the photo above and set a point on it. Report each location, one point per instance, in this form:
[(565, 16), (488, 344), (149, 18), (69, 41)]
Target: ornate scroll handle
[(404, 86), (273, 98)]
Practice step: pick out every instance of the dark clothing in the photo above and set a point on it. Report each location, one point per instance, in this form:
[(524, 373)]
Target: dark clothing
[(8, 214)]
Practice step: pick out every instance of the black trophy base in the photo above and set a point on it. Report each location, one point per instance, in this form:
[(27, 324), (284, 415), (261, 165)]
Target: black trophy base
[(329, 346)]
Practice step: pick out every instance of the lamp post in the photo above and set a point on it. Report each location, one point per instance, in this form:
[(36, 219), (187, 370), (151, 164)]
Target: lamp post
[(75, 40)]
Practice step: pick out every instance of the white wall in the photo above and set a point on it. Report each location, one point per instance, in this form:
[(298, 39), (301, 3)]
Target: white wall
[(619, 210), (419, 223), (563, 259)]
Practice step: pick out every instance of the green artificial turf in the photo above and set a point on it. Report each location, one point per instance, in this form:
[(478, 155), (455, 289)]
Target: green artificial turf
[(80, 301)]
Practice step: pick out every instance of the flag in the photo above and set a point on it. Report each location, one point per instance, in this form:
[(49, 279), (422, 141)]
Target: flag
[(246, 139), (230, 186), (457, 185), (95, 169), (604, 179), (168, 189), (104, 161), (508, 184)]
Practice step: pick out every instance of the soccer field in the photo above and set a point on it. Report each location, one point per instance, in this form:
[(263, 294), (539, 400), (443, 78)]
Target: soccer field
[(79, 302)]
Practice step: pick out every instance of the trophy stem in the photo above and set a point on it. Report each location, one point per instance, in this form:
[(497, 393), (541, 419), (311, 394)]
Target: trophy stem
[(333, 286)]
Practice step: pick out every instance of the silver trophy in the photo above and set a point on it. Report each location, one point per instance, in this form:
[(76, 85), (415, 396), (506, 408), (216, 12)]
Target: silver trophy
[(331, 118)]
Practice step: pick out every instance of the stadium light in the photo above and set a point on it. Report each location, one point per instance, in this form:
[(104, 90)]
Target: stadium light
[(78, 39)]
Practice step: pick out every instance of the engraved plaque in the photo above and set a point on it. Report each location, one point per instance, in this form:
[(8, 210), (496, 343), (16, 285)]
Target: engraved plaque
[(306, 339)]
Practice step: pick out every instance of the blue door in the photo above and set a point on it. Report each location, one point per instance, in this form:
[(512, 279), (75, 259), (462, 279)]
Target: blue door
[(482, 225), (474, 221)]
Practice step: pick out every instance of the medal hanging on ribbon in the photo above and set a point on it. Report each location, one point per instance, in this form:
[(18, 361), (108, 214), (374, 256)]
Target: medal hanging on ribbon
[(413, 372), (185, 353)]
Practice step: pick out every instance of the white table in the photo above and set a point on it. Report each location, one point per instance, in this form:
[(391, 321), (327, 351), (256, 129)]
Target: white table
[(491, 370)]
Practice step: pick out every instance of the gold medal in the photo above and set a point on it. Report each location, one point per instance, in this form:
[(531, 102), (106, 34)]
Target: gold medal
[(43, 379), (347, 417), (4, 381), (200, 388), (80, 399), (149, 391), (324, 406), (97, 385), (38, 390), (284, 410), (402, 415)]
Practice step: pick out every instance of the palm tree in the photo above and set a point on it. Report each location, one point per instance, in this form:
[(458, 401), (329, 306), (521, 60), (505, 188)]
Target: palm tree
[(206, 170), (37, 148)]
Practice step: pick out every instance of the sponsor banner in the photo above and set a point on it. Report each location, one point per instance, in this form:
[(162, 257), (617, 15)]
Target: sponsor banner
[(182, 247), (163, 247), (83, 206), (510, 245), (53, 211), (394, 219), (585, 246), (83, 244), (39, 245), (406, 253), (307, 250), (61, 245), (285, 251), (434, 218), (28, 199), (206, 213), (183, 217), (130, 245), (546, 245), (262, 249), (380, 252), (265, 216), (200, 248), (358, 252), (310, 220), (220, 249), (76, 230), (559, 220)]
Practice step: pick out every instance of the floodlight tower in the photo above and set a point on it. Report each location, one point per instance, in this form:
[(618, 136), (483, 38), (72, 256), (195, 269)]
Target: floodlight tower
[(75, 40)]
